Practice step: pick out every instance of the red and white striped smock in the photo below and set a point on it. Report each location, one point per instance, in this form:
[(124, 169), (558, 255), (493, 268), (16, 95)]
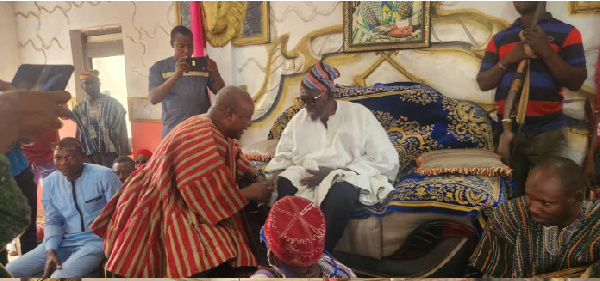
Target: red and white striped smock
[(178, 215)]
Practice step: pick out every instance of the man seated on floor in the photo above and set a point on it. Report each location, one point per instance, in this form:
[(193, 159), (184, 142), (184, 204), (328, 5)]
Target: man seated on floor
[(73, 196), (178, 216), (549, 229), (334, 153), (123, 166), (295, 235)]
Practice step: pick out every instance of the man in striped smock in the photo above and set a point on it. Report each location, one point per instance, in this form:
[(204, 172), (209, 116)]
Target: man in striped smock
[(178, 215), (549, 229)]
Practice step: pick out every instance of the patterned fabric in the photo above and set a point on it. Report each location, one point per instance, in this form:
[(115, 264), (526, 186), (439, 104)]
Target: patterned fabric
[(544, 108), (89, 73), (515, 246), (327, 266), (448, 123), (178, 215), (295, 231), (14, 209), (468, 161), (320, 77), (99, 124)]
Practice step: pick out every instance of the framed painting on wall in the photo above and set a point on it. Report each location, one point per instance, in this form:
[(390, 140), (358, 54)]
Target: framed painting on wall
[(182, 13), (384, 25), (579, 7), (256, 24)]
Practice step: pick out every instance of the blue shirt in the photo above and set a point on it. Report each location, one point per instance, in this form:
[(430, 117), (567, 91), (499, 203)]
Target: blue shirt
[(188, 97), (18, 161), (70, 208)]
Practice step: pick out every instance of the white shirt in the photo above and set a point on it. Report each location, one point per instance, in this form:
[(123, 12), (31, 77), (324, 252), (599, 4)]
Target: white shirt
[(353, 140)]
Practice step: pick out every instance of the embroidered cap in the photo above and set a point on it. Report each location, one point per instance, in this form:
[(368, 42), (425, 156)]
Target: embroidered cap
[(320, 77), (295, 231), (143, 152), (89, 73)]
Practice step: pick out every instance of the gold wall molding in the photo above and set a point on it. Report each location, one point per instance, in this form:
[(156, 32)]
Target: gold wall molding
[(222, 21)]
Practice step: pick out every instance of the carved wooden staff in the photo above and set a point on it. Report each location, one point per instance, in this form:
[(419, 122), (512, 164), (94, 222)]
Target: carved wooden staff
[(520, 84)]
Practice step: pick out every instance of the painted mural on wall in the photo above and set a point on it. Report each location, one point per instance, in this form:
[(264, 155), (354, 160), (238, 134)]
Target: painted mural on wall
[(377, 25)]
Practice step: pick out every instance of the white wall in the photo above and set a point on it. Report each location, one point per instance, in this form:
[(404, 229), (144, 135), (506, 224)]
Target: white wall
[(8, 49), (300, 18), (145, 27)]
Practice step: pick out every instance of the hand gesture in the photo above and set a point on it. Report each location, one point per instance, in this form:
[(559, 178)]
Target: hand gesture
[(257, 192), (211, 65), (181, 66), (6, 86), (51, 263), (538, 41), (33, 112), (516, 55), (401, 32), (316, 178)]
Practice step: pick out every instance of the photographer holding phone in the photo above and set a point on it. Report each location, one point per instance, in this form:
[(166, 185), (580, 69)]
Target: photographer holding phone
[(179, 86)]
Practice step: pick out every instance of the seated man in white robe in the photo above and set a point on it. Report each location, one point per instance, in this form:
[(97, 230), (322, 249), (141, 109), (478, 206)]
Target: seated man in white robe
[(335, 153)]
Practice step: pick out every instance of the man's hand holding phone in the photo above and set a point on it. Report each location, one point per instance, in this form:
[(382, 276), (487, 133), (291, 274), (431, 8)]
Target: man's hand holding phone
[(181, 67)]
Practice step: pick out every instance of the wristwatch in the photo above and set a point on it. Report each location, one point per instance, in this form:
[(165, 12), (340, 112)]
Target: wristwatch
[(258, 174)]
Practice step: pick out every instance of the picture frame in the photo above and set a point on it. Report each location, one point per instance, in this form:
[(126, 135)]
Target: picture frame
[(386, 25), (581, 7), (256, 28), (182, 13)]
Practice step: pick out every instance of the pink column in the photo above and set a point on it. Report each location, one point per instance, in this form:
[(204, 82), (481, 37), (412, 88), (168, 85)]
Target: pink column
[(197, 30)]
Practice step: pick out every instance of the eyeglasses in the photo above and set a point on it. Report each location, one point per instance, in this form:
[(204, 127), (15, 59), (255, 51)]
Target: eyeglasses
[(309, 100), (141, 161)]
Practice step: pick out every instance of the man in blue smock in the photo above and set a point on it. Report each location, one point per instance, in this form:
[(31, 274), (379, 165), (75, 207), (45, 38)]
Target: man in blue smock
[(73, 197), (182, 92)]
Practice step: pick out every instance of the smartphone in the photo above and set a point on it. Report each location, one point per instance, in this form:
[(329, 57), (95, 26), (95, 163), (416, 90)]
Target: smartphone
[(197, 64), (38, 77)]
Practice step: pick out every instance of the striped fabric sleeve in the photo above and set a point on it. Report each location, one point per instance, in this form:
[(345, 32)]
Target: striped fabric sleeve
[(493, 255), (491, 56), (204, 180), (496, 250), (243, 164), (572, 49)]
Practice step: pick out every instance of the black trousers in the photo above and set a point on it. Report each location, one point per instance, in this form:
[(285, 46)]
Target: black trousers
[(29, 237), (337, 207)]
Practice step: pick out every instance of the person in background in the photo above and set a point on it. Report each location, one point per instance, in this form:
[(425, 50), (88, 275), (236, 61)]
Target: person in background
[(23, 114), (142, 156), (101, 126), (560, 63), (183, 93), (295, 236), (73, 197), (123, 166)]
